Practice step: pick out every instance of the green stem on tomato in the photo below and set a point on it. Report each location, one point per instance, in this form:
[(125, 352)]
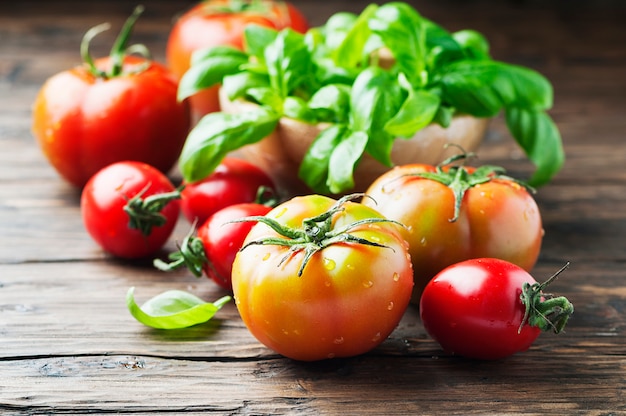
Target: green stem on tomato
[(316, 232), (460, 180), (190, 254), (146, 213), (119, 50), (544, 310)]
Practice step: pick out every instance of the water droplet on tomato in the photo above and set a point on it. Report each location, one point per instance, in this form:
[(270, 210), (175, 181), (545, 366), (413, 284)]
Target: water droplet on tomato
[(338, 340), (423, 242), (331, 355), (368, 284), (281, 213), (376, 337), (266, 256), (329, 264), (350, 266), (396, 277), (390, 306), (327, 283)]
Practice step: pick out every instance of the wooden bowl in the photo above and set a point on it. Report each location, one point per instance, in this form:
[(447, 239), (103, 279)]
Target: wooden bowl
[(280, 153)]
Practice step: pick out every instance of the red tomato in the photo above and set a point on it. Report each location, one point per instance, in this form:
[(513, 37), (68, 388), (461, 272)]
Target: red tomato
[(489, 309), (334, 283), (130, 209), (234, 181), (93, 115), (222, 239), (221, 22), (495, 216)]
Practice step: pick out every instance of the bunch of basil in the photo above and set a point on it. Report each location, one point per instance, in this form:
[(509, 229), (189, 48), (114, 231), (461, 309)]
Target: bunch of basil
[(331, 74)]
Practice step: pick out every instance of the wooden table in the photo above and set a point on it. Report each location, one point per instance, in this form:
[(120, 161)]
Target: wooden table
[(69, 345)]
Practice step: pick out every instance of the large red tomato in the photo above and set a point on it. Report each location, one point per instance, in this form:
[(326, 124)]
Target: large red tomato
[(117, 108), (221, 22), (455, 213), (319, 278)]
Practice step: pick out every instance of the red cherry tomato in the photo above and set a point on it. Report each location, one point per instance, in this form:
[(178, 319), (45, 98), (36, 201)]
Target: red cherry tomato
[(130, 209), (234, 181), (221, 22), (489, 309), (222, 239), (114, 109)]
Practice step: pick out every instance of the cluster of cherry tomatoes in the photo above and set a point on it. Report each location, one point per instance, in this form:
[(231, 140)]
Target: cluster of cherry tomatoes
[(313, 277)]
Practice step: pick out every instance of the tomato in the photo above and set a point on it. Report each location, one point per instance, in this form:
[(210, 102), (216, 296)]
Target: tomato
[(489, 309), (112, 109), (130, 209), (221, 22), (455, 213), (319, 278), (218, 240), (234, 181)]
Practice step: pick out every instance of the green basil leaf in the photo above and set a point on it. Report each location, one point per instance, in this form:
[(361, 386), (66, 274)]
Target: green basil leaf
[(352, 51), (173, 309), (343, 161), (288, 61), (474, 44), (217, 134), (402, 30), (215, 64), (257, 38), (332, 103), (236, 85), (376, 97), (267, 97), (540, 139), (337, 27), (417, 111), (315, 164), (296, 107), (483, 88)]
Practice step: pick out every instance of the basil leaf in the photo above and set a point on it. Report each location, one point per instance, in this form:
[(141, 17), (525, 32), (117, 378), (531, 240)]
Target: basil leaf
[(337, 27), (352, 51), (343, 160), (297, 108), (208, 69), (173, 309), (417, 111), (315, 164), (288, 61), (257, 38), (236, 85), (376, 97), (402, 31), (483, 88), (540, 139), (267, 97), (473, 43), (217, 134), (332, 103)]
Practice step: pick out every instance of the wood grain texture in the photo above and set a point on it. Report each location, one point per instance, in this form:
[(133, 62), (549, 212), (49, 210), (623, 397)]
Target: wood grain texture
[(69, 346)]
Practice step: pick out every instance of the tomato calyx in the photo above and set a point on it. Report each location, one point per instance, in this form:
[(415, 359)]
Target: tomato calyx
[(190, 254), (146, 213), (316, 232), (238, 6), (119, 50), (459, 179), (543, 310)]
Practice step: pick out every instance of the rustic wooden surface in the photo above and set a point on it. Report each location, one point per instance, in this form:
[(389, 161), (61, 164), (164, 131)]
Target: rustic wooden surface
[(68, 344)]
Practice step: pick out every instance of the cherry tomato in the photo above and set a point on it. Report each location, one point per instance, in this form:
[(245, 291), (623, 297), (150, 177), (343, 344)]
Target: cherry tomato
[(218, 240), (112, 109), (319, 278), (234, 181), (489, 309), (130, 209), (455, 213), (221, 22)]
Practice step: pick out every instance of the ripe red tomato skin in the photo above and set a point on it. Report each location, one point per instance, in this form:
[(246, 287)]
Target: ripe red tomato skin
[(222, 239), (473, 309), (498, 219), (84, 123), (102, 206), (234, 181), (203, 27), (348, 300)]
